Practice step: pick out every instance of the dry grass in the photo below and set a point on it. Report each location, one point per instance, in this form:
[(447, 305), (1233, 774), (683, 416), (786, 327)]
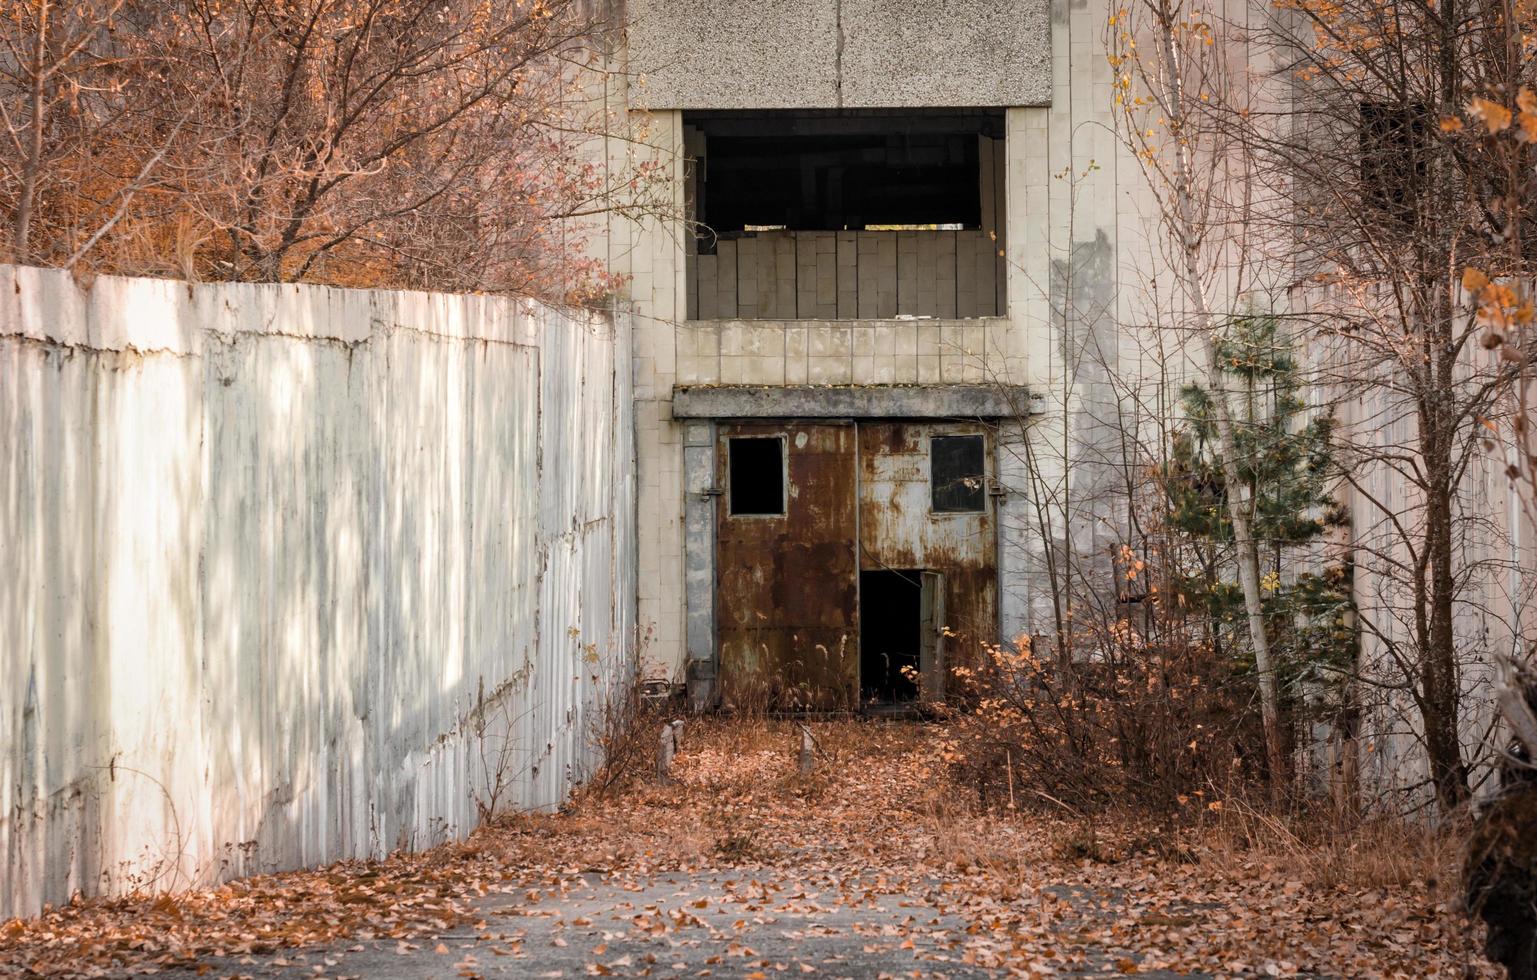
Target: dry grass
[(732, 771), (1332, 851)]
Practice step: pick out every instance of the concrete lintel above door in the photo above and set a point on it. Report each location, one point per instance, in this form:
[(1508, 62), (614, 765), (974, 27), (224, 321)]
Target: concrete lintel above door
[(935, 401)]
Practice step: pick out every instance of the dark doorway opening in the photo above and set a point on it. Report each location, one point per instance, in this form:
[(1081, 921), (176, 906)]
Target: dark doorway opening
[(889, 618)]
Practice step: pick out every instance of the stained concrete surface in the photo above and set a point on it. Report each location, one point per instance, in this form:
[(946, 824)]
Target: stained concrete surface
[(791, 54), (920, 401), (720, 924)]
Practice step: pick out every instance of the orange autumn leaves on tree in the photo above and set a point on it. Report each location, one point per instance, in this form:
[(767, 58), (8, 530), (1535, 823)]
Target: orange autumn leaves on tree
[(407, 143), (1501, 298), (1501, 305)]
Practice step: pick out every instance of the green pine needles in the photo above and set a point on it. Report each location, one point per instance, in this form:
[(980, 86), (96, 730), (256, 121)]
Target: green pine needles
[(1286, 452)]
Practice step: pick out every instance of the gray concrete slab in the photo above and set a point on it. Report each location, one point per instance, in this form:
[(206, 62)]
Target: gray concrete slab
[(948, 401), (789, 54), (722, 924)]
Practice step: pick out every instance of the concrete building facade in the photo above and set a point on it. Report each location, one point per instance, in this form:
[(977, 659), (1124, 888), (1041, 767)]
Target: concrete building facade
[(903, 226), (898, 220)]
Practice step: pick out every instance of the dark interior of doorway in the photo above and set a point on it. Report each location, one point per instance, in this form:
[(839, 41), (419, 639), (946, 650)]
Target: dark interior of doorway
[(889, 615)]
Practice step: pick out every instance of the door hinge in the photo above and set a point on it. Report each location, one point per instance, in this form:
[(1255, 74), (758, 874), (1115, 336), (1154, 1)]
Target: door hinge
[(711, 492)]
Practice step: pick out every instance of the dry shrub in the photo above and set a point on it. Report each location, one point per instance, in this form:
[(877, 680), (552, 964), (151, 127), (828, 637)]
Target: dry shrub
[(1327, 850), (1151, 718), (746, 748), (626, 730)]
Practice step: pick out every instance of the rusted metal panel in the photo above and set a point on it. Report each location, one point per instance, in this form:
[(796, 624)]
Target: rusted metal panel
[(898, 529), (787, 595)]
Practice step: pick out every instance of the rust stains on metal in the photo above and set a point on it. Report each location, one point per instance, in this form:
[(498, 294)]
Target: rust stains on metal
[(898, 528), (786, 587)]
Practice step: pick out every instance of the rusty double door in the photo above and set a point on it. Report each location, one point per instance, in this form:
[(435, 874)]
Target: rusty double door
[(850, 585)]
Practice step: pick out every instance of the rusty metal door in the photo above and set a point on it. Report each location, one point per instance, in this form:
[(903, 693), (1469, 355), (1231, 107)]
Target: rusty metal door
[(787, 582), (901, 526), (931, 636)]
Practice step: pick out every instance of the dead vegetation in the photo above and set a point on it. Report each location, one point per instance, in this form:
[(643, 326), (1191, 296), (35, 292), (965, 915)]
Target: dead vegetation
[(1232, 892), (376, 143)]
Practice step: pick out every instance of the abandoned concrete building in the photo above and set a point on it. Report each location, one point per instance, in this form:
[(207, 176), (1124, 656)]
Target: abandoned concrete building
[(815, 455), (914, 254), (827, 345), (386, 554)]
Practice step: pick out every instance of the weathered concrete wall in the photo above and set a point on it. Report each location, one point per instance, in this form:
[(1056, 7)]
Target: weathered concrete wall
[(1078, 221), (1085, 283), (836, 352), (292, 573), (791, 54), (947, 401), (832, 275), (1497, 584)]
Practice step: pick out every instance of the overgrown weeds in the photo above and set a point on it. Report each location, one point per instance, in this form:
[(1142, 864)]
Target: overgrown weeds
[(1326, 850), (971, 812), (626, 732), (1148, 721)]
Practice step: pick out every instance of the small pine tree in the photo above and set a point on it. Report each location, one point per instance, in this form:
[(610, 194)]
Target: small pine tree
[(1287, 459)]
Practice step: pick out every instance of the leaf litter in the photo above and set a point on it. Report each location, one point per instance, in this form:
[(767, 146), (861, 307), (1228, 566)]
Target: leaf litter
[(875, 854)]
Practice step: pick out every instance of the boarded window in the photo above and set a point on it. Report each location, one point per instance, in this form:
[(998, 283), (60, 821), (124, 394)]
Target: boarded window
[(955, 474), (757, 475), (846, 214)]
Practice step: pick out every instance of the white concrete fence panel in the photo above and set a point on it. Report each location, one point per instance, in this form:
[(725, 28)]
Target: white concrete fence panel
[(292, 573)]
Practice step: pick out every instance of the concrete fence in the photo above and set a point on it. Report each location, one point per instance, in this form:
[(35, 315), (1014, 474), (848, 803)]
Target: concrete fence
[(295, 574)]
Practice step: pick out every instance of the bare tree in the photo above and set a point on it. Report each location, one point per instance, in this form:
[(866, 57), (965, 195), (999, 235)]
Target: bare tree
[(423, 143), (1202, 187), (75, 154)]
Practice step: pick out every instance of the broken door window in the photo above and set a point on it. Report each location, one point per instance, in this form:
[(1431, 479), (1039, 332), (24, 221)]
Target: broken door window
[(956, 475), (757, 472)]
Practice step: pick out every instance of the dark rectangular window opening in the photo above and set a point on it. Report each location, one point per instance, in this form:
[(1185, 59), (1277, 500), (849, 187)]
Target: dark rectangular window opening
[(956, 476), (1395, 158), (757, 475), (841, 170), (844, 214), (889, 622)]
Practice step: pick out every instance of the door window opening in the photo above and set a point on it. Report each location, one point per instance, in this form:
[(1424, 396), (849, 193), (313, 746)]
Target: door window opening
[(756, 476), (956, 475), (889, 635)]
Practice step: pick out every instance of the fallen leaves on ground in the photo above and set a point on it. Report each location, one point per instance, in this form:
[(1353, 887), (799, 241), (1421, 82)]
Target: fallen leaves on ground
[(877, 828)]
